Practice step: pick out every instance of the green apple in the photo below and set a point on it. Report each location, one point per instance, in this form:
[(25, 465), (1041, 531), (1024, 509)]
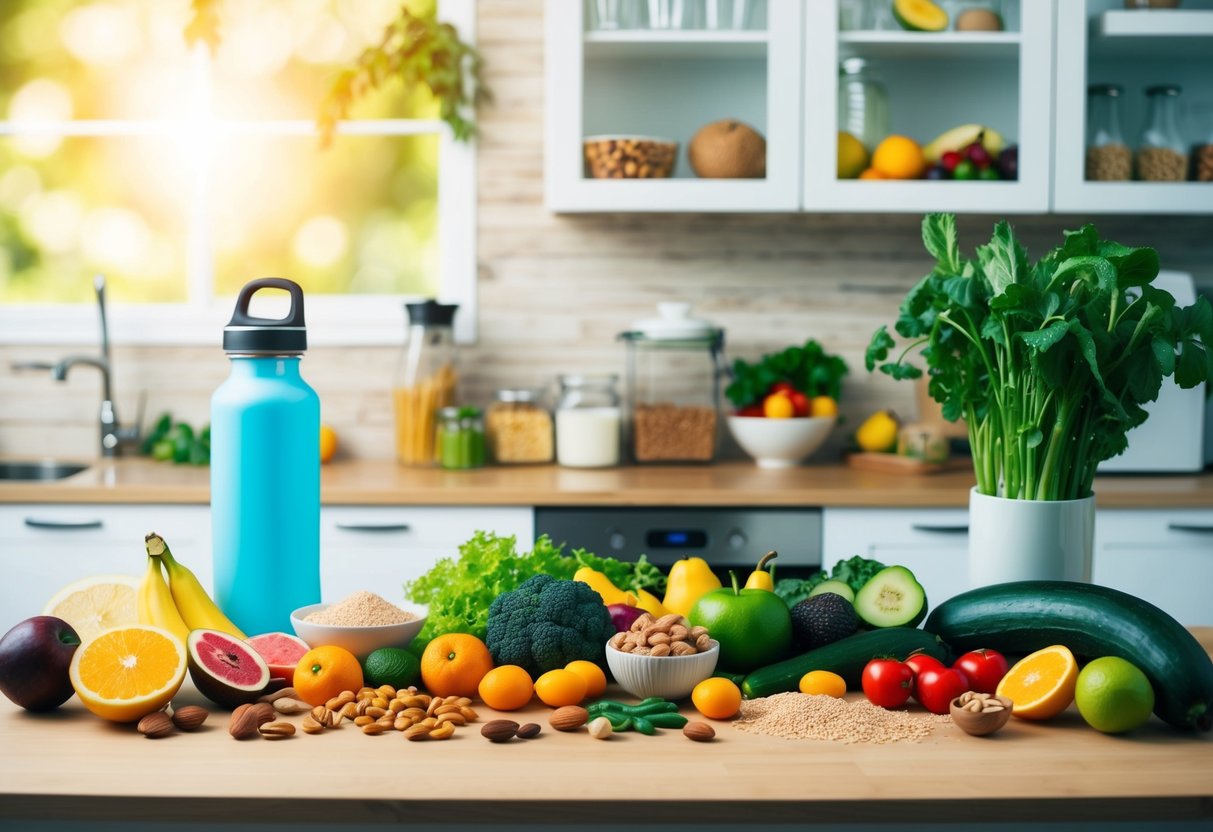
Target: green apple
[(753, 626)]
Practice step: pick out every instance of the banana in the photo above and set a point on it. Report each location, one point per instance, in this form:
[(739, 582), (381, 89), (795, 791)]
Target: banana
[(155, 603), (965, 134), (196, 607)]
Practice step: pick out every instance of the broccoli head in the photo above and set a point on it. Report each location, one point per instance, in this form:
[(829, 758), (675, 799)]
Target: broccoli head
[(547, 623)]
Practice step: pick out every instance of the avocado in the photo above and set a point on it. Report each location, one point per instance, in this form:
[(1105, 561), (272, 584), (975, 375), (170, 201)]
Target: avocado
[(835, 586), (823, 619)]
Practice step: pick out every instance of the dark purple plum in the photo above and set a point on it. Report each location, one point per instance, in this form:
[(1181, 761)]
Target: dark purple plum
[(35, 657)]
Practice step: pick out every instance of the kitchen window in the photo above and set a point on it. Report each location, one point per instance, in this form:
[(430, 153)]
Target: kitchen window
[(181, 175)]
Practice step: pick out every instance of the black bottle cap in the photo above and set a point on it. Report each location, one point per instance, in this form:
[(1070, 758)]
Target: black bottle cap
[(431, 313), (247, 335)]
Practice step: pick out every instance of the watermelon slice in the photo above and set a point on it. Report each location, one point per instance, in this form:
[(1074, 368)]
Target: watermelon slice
[(281, 652)]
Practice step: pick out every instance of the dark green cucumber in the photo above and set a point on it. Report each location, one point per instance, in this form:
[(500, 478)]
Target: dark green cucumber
[(1093, 621), (846, 657)]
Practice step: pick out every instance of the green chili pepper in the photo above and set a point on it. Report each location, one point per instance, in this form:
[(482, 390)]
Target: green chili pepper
[(643, 726), (667, 720)]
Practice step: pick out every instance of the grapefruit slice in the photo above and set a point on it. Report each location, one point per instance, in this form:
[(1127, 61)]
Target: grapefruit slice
[(126, 673), (281, 652), (96, 604), (1042, 684)]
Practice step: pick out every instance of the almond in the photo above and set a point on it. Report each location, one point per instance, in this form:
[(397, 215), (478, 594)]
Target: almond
[(286, 705), (156, 725), (445, 730), (277, 730), (248, 718), (190, 718), (528, 731), (310, 726), (569, 718), (281, 693), (499, 730), (699, 731)]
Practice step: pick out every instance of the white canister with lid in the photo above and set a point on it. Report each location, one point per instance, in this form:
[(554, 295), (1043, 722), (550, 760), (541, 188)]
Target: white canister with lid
[(588, 421)]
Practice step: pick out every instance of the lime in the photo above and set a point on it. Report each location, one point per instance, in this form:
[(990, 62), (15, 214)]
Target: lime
[(391, 666), (1113, 695)]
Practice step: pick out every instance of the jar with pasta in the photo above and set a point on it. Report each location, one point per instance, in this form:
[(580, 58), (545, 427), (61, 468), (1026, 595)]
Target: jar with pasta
[(426, 379), (519, 428)]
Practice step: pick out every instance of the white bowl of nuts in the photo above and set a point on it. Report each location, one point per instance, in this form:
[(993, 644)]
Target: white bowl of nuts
[(663, 657)]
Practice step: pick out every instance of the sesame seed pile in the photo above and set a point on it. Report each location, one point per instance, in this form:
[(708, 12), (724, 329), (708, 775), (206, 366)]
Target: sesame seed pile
[(802, 716), (362, 609)]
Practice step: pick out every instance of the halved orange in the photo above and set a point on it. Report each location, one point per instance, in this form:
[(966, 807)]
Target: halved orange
[(126, 673), (1041, 685)]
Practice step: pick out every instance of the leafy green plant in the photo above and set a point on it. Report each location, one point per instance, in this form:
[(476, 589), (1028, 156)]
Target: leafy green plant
[(1048, 363), (810, 369)]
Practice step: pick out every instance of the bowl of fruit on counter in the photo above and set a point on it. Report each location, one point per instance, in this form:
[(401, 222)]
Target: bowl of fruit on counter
[(787, 403)]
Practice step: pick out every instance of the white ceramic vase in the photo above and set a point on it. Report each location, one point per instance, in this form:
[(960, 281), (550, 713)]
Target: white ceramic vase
[(1029, 540)]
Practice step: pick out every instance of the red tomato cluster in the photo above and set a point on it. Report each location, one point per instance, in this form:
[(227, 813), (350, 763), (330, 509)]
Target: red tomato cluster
[(890, 683)]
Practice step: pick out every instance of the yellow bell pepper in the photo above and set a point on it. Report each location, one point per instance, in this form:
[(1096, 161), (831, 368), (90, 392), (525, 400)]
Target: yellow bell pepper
[(689, 579), (650, 603), (761, 578), (601, 584)]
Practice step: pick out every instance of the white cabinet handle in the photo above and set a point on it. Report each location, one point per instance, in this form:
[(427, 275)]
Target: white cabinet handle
[(63, 525), (373, 527), (1189, 527), (925, 527)]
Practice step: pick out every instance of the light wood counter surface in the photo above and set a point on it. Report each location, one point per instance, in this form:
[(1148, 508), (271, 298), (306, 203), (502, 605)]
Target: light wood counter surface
[(735, 483), (71, 764)]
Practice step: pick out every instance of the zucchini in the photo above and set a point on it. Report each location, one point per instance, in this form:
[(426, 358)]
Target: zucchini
[(846, 657), (1093, 621)]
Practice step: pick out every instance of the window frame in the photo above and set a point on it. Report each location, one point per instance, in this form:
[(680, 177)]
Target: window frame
[(345, 320)]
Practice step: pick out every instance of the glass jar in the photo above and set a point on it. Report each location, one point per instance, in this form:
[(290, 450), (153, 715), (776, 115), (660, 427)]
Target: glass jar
[(673, 386), (1108, 158), (863, 104), (519, 428), (426, 377), (588, 421), (1161, 154), (1202, 160), (459, 438)]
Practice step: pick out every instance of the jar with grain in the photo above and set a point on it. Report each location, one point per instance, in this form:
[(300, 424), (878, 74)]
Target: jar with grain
[(1202, 160), (519, 428), (588, 421), (674, 367), (1108, 158), (1161, 153), (425, 380)]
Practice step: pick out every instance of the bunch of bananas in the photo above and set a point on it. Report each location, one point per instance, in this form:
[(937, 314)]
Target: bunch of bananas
[(180, 604)]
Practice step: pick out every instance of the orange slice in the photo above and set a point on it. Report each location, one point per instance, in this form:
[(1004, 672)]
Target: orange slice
[(126, 673), (1041, 685)]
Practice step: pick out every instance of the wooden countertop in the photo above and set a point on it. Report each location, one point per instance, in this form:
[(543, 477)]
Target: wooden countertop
[(68, 764), (382, 482)]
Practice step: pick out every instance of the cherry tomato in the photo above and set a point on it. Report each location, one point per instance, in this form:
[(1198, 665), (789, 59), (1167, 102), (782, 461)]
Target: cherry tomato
[(985, 669), (800, 403), (751, 410), (937, 688), (781, 387), (918, 662), (886, 682)]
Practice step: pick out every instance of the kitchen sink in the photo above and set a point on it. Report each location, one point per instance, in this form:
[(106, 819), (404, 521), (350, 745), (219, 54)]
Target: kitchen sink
[(47, 470)]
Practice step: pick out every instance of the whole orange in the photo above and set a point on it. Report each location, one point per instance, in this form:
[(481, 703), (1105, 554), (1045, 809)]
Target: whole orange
[(823, 406), (328, 443), (716, 698), (453, 664), (326, 671), (558, 688), (595, 679), (898, 157), (506, 688)]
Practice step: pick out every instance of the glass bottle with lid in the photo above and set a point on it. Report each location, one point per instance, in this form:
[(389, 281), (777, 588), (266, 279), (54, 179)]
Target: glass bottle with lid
[(519, 428), (863, 104), (1108, 158), (588, 421), (1161, 153), (425, 380), (674, 368)]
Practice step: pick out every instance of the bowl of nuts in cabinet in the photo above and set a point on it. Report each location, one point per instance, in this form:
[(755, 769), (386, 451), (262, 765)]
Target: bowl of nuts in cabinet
[(664, 657), (629, 157)]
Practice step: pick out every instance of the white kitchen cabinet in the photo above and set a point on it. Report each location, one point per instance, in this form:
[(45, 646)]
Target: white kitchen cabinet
[(935, 81), (931, 543), (379, 548), (1165, 557), (45, 547), (669, 83), (1101, 42)]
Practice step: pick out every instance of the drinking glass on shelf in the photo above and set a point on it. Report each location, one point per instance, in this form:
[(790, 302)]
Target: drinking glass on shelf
[(853, 15), (609, 15), (879, 16), (727, 14), (673, 14)]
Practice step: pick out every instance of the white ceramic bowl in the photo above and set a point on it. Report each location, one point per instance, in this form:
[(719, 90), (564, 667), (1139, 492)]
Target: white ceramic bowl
[(361, 641), (670, 677), (780, 443)]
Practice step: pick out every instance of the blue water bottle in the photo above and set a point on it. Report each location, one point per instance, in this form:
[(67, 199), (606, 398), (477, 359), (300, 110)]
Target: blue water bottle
[(265, 469)]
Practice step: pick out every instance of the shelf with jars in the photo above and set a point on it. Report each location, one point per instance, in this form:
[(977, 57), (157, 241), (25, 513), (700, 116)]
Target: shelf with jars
[(1134, 108)]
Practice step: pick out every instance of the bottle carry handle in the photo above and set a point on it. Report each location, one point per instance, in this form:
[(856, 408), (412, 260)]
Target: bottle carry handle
[(294, 316)]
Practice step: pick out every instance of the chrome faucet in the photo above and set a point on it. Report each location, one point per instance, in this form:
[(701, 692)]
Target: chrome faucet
[(113, 436)]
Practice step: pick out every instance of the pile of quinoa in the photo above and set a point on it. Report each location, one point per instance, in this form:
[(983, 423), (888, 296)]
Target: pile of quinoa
[(801, 716), (362, 609)]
